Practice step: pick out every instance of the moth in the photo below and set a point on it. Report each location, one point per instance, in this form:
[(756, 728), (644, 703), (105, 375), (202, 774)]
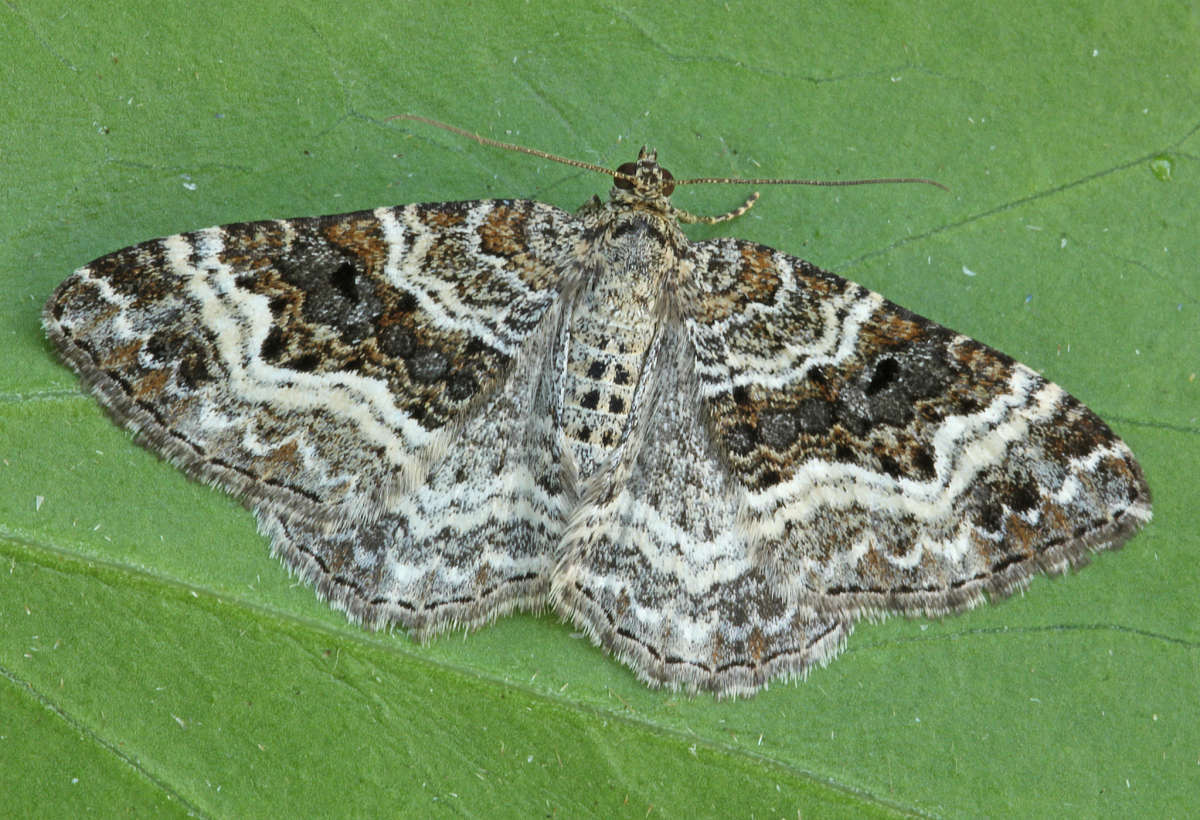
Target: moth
[(712, 457)]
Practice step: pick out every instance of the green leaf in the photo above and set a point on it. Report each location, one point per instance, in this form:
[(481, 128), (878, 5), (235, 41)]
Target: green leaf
[(157, 660)]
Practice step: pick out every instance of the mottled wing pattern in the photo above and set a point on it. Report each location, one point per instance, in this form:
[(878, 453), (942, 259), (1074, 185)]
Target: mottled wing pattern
[(890, 464), (711, 457), (473, 542), (656, 568), (315, 367)]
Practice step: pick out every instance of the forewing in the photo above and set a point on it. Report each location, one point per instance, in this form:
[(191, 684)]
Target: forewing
[(889, 463), (316, 367)]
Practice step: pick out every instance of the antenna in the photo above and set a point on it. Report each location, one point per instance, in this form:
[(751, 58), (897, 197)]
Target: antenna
[(684, 215), (508, 146)]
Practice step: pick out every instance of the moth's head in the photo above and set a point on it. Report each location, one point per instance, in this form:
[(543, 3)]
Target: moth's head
[(643, 181)]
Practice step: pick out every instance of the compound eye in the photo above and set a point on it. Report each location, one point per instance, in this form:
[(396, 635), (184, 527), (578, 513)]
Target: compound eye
[(668, 182), (629, 168)]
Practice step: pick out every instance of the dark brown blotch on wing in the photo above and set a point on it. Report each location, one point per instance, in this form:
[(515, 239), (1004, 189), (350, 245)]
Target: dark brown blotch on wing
[(335, 311), (140, 272), (875, 409)]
